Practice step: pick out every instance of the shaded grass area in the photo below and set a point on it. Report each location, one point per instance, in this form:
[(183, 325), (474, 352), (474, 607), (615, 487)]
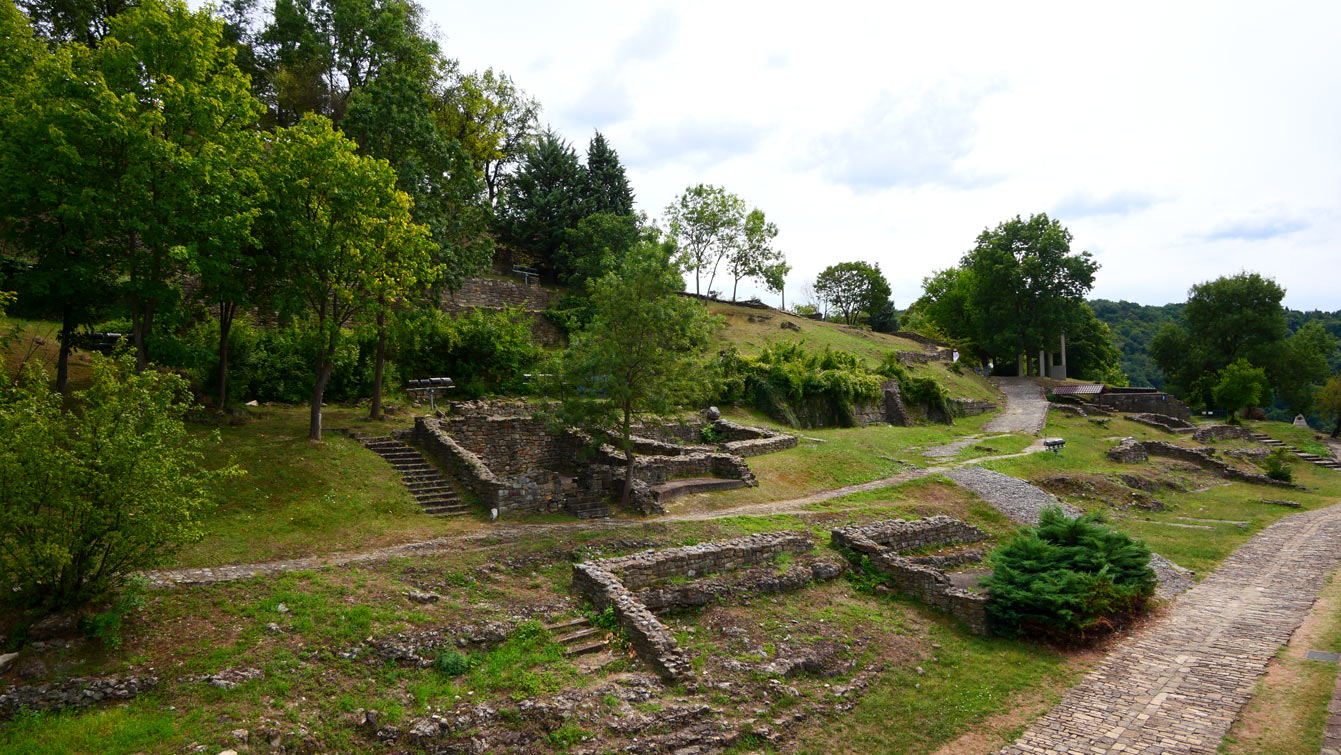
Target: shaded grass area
[(301, 498), (38, 344)]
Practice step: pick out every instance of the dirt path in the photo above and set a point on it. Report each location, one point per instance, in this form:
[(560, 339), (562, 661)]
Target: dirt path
[(1026, 409), (1178, 686)]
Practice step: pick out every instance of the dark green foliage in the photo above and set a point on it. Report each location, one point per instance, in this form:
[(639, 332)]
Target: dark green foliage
[(607, 187), (452, 663), (1066, 578), (484, 351), (854, 289), (1277, 466), (106, 625), (885, 318), (918, 391), (543, 201)]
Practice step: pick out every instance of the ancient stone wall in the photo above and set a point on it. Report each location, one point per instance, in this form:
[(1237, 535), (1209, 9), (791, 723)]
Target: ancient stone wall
[(1132, 451), (72, 693), (541, 491), (1222, 432), (759, 446), (1152, 403), (759, 580), (492, 293), (967, 407), (650, 639), (920, 576), (646, 568), (901, 535)]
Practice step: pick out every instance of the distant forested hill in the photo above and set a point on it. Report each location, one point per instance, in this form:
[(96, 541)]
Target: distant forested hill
[(1135, 325)]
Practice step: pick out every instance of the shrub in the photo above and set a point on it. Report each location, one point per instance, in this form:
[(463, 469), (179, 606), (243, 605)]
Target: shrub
[(1066, 578), (95, 486), (799, 387), (452, 663), (483, 351), (1277, 467), (106, 625), (916, 390)]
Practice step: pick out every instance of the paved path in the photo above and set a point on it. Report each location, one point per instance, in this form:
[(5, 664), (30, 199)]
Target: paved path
[(1016, 499), (1331, 736), (1178, 686), (1026, 409)]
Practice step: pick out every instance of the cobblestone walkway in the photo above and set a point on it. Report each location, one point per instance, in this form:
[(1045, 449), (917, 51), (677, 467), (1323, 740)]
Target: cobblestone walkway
[(1331, 736), (1026, 409), (1178, 686), (1016, 499)]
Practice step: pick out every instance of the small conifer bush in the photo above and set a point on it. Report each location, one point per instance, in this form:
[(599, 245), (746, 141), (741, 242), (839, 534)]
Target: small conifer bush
[(1067, 578)]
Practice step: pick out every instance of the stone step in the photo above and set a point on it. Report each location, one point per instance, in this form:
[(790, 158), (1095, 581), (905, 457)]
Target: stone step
[(591, 512), (580, 634), (447, 510), (667, 491), (426, 484), (591, 647), (580, 621), (434, 503)]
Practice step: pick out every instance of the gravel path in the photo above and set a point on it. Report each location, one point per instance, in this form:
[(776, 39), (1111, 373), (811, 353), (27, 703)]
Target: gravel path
[(1177, 687), (1016, 499), (1026, 408)]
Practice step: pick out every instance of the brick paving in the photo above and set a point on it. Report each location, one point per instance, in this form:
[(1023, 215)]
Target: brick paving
[(1178, 686), (1331, 736), (1026, 409)]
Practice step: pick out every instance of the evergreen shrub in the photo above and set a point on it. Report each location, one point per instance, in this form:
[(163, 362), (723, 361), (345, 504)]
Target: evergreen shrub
[(1065, 579)]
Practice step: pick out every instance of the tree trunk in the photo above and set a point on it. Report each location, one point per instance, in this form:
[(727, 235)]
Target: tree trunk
[(627, 493), (226, 312), (1336, 432), (376, 411), (735, 284), (141, 322), (318, 390), (66, 336)]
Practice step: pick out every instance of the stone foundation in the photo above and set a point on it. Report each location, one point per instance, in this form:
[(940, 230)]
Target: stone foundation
[(1222, 432), (921, 576), (76, 692), (612, 582), (1131, 451), (1152, 403)]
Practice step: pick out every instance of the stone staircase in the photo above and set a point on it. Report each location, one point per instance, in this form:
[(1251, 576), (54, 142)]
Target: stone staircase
[(1322, 461), (579, 637), (428, 486)]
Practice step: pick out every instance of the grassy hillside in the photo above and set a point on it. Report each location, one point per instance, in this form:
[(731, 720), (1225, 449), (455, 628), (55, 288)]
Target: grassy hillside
[(750, 337)]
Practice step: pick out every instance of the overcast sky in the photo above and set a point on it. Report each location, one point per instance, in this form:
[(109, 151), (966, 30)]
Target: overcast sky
[(1177, 141)]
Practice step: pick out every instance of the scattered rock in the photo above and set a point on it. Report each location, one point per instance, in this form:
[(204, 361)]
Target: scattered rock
[(274, 628), (420, 596), (1129, 451), (1275, 502), (230, 678), (282, 608), (241, 735), (61, 624), (33, 669), (789, 325), (712, 414), (6, 660)]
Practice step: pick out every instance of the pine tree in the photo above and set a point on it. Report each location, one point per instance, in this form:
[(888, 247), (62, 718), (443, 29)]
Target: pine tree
[(608, 187), (544, 200)]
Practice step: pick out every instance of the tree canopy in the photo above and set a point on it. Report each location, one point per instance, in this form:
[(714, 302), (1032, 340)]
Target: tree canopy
[(853, 288), (705, 222)]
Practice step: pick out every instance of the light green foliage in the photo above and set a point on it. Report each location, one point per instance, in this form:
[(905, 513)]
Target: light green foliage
[(642, 353), (1306, 366), (493, 120), (853, 288), (93, 490), (1241, 385), (918, 390), (705, 223), (753, 255), (1277, 466), (1065, 578), (343, 233)]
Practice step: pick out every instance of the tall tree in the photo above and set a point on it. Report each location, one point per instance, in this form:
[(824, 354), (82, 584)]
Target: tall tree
[(1227, 319), (343, 233), (1304, 366), (1240, 385), (321, 51), (65, 141), (1025, 285), (543, 201), (775, 279), (493, 120), (193, 107), (642, 353), (704, 222), (753, 253), (853, 288), (608, 187), (1328, 402)]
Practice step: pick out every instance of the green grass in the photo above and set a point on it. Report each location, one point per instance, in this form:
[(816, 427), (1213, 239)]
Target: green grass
[(971, 679), (302, 498), (138, 727)]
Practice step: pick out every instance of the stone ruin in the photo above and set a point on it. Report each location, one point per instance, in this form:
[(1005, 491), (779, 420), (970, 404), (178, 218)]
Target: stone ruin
[(639, 585), (1132, 451), (923, 577), (516, 462)]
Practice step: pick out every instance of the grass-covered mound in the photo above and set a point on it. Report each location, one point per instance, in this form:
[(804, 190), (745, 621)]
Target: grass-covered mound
[(1067, 578)]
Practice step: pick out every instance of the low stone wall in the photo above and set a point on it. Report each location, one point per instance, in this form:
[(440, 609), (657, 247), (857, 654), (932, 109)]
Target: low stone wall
[(932, 587), (610, 582), (919, 576), (967, 407), (649, 567), (914, 357), (1163, 422), (76, 692), (901, 535), (1213, 433), (919, 338), (759, 580), (1152, 403), (1131, 451), (760, 446)]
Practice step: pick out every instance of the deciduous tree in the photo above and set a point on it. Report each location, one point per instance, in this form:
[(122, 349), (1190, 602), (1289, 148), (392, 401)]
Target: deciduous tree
[(753, 253), (343, 233), (641, 354), (1329, 402), (705, 223), (1241, 385), (852, 288), (493, 120)]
